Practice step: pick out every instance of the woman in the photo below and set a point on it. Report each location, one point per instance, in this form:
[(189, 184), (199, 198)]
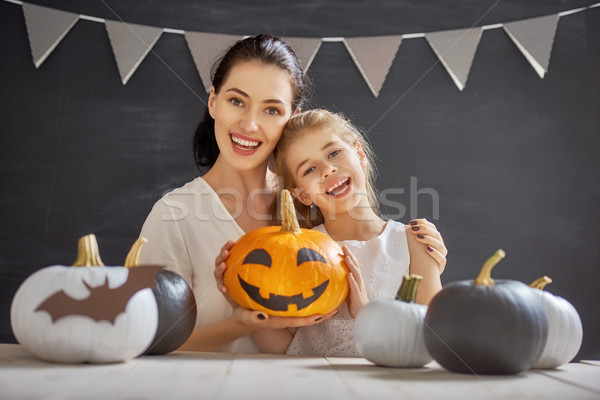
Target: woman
[(257, 86)]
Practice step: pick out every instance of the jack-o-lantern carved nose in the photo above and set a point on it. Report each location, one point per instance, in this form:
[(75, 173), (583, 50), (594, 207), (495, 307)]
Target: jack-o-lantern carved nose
[(258, 256)]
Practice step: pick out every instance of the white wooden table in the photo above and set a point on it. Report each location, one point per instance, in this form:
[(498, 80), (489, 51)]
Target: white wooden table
[(190, 375)]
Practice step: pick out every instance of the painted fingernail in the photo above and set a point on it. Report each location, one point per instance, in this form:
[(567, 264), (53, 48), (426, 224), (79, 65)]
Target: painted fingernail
[(261, 316), (414, 222), (318, 319), (429, 249), (415, 228), (421, 236)]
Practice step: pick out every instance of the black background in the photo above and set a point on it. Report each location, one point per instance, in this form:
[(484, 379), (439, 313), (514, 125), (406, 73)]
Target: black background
[(511, 162)]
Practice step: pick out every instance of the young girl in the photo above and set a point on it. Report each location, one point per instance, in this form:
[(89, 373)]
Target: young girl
[(327, 165)]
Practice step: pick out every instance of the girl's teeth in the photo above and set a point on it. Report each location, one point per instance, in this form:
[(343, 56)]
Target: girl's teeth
[(332, 188)]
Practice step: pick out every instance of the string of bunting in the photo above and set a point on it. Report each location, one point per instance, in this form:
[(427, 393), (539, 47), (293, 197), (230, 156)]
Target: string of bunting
[(373, 55)]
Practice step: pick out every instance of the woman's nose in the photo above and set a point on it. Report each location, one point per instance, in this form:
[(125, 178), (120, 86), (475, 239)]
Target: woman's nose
[(249, 122)]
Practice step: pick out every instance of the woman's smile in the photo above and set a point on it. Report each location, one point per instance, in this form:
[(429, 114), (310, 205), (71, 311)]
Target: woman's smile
[(244, 145)]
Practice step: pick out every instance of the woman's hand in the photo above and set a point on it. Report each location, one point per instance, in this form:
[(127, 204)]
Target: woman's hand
[(426, 233), (220, 270), (262, 320), (357, 297)]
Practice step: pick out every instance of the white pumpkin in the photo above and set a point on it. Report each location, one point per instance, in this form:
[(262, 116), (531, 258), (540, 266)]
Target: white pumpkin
[(53, 334), (565, 332), (390, 332)]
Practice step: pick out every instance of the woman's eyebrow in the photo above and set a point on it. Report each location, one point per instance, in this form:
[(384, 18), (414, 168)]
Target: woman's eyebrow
[(246, 95)]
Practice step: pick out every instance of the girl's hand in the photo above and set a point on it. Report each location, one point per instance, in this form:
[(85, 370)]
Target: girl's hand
[(220, 268), (427, 234), (357, 297)]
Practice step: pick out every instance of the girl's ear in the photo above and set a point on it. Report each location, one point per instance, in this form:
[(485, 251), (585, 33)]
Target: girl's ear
[(361, 155), (211, 102), (301, 195), (298, 111)]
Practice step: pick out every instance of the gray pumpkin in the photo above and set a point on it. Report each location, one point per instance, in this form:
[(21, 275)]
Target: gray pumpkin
[(486, 326)]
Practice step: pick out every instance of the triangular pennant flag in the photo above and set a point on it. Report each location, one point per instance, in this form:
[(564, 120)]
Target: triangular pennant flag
[(46, 27), (534, 37), (205, 48), (305, 48), (456, 50), (130, 43), (373, 56)]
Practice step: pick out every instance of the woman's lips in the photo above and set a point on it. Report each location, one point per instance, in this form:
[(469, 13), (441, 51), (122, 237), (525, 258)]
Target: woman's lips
[(244, 145)]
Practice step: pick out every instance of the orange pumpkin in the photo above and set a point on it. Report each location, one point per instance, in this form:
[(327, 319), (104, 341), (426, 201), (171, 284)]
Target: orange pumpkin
[(287, 271)]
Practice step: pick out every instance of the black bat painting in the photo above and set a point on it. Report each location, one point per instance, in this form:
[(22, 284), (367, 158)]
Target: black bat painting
[(103, 303)]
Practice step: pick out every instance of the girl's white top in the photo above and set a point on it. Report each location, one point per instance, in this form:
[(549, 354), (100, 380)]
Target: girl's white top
[(186, 230), (383, 262)]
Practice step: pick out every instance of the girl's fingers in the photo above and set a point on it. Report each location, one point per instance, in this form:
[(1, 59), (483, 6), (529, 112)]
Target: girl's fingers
[(352, 264)]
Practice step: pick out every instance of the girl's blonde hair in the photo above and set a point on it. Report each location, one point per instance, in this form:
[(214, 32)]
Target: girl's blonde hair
[(346, 131)]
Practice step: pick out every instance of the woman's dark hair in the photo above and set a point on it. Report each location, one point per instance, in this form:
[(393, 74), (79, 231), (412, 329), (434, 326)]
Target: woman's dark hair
[(269, 50)]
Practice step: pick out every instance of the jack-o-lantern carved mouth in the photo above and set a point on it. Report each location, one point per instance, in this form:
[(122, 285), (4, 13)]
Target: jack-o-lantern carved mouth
[(278, 302)]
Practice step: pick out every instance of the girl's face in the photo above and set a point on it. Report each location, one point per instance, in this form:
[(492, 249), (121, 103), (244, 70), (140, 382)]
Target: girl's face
[(250, 111), (327, 171)]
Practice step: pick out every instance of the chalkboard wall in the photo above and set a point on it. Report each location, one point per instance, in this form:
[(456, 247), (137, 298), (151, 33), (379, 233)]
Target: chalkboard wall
[(511, 162)]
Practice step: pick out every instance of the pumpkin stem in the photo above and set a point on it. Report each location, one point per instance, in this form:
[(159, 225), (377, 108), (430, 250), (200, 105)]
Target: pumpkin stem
[(485, 277), (540, 283), (289, 222), (133, 257), (88, 254), (408, 290)]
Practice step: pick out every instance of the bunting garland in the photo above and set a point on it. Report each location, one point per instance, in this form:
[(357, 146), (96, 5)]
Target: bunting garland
[(373, 55), (130, 43), (456, 50)]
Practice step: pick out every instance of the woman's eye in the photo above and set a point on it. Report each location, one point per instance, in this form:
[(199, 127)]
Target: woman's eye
[(236, 102), (308, 171), (334, 153), (273, 111)]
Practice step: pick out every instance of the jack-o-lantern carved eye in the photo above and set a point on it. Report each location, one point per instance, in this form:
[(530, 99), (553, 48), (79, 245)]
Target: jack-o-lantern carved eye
[(258, 256), (305, 255)]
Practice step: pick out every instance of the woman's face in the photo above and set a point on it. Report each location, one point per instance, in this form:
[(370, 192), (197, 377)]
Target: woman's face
[(327, 171), (252, 107)]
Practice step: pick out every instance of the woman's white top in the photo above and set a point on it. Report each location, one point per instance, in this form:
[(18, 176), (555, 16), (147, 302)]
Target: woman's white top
[(186, 230), (383, 262)]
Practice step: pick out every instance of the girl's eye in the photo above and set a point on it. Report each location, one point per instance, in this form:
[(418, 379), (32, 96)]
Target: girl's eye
[(236, 102), (308, 171), (273, 111), (334, 153)]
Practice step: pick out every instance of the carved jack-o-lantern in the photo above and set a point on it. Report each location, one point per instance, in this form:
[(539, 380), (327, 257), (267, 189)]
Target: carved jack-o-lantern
[(287, 271)]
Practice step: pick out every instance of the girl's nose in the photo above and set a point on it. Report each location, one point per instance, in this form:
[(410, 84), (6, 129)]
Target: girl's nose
[(328, 170)]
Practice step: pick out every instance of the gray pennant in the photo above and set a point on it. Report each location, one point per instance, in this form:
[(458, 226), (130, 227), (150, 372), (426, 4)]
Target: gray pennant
[(205, 49), (305, 48), (46, 27), (456, 50), (130, 43), (373, 55), (534, 37)]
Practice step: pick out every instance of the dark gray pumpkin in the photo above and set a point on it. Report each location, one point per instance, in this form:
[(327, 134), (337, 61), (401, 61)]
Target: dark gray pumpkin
[(486, 326), (176, 312), (176, 306)]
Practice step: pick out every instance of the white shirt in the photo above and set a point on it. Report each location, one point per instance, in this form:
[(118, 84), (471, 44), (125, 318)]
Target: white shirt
[(383, 262), (186, 230)]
